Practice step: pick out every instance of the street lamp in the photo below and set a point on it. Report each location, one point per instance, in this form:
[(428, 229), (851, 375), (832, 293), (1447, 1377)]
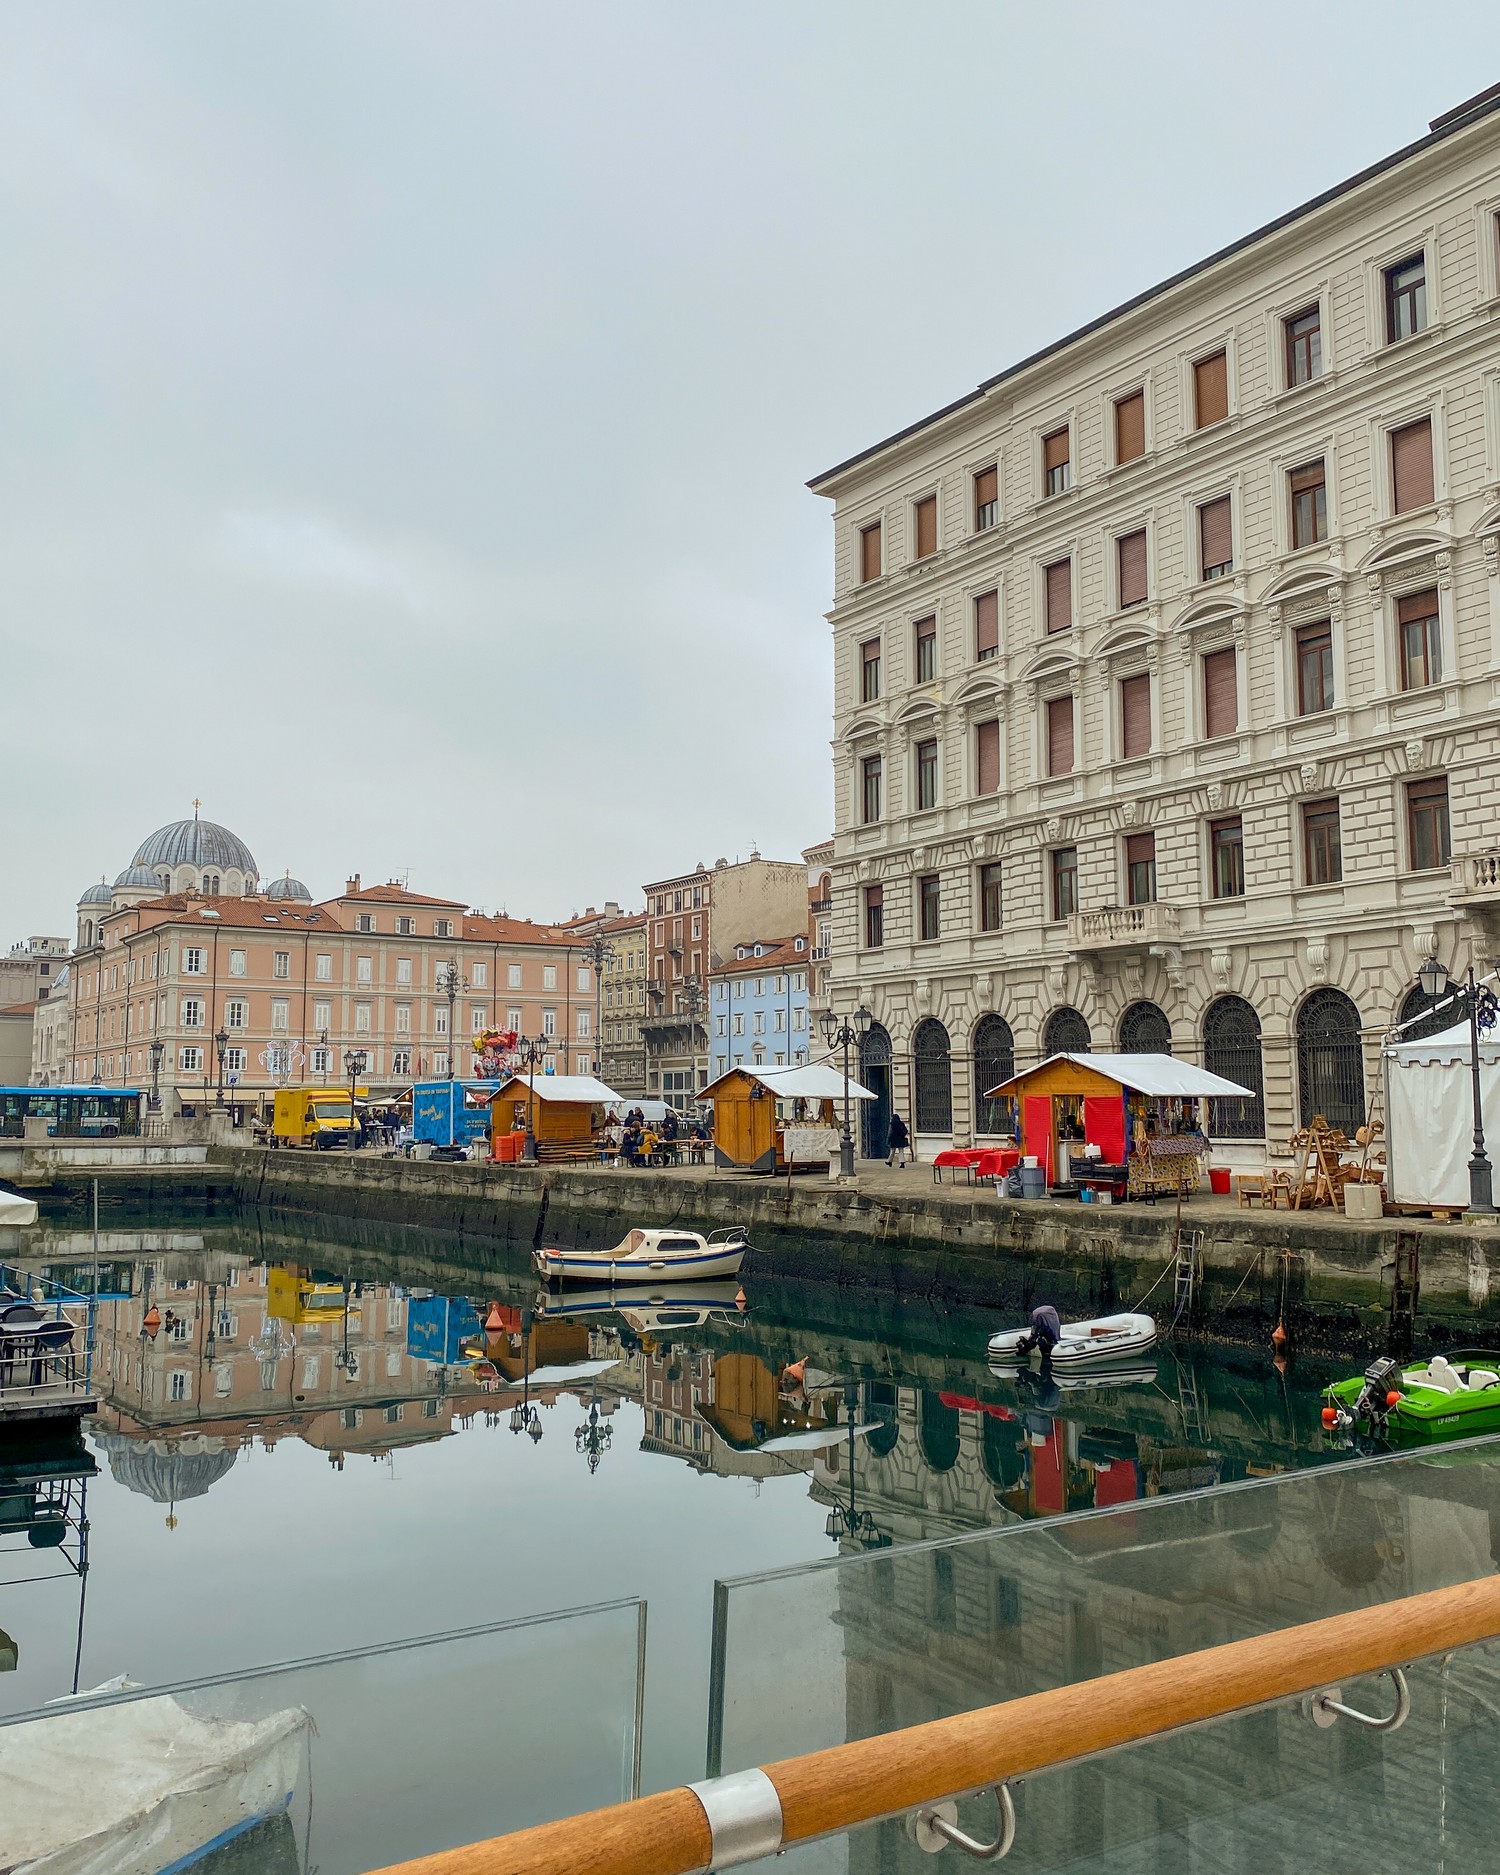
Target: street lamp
[(693, 1001), (858, 1525), (525, 1418), (599, 952), (221, 1043), (594, 1437), (842, 1034), (1482, 1007), (530, 1053), (450, 983), (158, 1049), (354, 1067)]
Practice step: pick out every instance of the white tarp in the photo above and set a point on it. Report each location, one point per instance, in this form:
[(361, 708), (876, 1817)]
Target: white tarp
[(1159, 1075), (577, 1088), (15, 1209), (810, 1080), (132, 1788), (1430, 1109)]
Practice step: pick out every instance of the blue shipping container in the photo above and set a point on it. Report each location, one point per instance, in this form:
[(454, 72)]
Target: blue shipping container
[(438, 1326), (440, 1116)]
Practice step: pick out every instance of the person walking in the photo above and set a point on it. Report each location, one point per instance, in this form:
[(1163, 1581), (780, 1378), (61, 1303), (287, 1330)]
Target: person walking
[(900, 1141)]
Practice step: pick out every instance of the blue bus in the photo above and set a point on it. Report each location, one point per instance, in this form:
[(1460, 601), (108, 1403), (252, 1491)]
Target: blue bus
[(71, 1112)]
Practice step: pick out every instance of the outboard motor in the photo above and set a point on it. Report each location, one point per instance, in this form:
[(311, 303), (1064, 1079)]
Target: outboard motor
[(1372, 1409)]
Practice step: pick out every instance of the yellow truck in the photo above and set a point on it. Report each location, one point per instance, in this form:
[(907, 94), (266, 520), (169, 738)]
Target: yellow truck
[(314, 1116)]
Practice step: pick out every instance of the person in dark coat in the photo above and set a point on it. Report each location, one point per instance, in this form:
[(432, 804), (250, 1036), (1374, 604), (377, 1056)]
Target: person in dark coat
[(900, 1141), (1046, 1331)]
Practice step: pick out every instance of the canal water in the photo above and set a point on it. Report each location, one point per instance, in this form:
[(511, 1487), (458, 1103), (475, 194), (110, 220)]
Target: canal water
[(316, 1437)]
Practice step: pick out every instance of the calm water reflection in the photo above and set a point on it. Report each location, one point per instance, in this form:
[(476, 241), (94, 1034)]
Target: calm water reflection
[(310, 1443)]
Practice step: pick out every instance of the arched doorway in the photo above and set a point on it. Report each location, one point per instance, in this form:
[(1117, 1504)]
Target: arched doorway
[(994, 1049), (875, 1073), (1066, 1032), (939, 1433), (932, 1075), (1417, 1009), (1231, 1047), (1330, 1061), (1144, 1030)]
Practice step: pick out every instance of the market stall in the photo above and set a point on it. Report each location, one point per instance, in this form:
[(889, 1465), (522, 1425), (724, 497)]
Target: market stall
[(1430, 1103), (1126, 1124), (768, 1119), (564, 1110)]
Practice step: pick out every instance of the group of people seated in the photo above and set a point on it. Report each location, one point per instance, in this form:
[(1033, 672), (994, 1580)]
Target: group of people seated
[(636, 1141)]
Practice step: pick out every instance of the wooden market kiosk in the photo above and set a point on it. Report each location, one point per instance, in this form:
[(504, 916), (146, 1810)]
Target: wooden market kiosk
[(1133, 1122), (564, 1110), (767, 1119)]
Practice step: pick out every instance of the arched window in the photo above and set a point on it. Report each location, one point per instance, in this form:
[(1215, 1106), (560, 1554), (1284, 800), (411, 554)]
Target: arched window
[(994, 1061), (1144, 1030), (1417, 1009), (939, 1433), (211, 885), (882, 1415), (164, 880), (88, 932), (1330, 1061), (1066, 1033), (932, 1071), (1231, 1047), (1001, 1452), (875, 1074)]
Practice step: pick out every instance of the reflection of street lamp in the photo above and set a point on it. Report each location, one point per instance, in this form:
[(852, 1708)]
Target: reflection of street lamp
[(354, 1067), (856, 1524), (593, 1436), (1481, 1007), (836, 1034), (221, 1044), (346, 1360), (525, 1417)]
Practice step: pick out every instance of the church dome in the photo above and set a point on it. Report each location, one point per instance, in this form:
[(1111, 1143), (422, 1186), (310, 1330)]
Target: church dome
[(196, 843), (138, 875), (95, 895), (167, 1470), (288, 887)]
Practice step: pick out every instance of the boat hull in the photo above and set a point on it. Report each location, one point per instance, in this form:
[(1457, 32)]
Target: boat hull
[(1112, 1339), (582, 1266)]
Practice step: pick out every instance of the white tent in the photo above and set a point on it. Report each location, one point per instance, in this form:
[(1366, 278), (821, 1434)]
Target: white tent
[(813, 1080), (1160, 1075), (1430, 1114), (576, 1088), (14, 1209)]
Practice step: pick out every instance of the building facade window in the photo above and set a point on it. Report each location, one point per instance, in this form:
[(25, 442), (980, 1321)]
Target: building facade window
[(236, 963), (1067, 1032), (322, 1016), (994, 1049), (1140, 869), (987, 757), (236, 1013), (1314, 668), (1211, 390), (192, 961), (1145, 1030), (986, 626), (925, 526), (1231, 1048), (282, 965), (1406, 299), (1216, 538), (986, 499), (926, 755), (869, 553), (1130, 427), (1412, 482), (364, 921), (1221, 699), (192, 1012), (1058, 582), (1427, 823), (870, 771), (1057, 471), (190, 1060), (1304, 346), (1130, 566), (323, 967), (443, 927), (932, 1073), (1421, 639), (1309, 498), (1226, 857), (1330, 1061), (280, 1015), (874, 917), (361, 1018), (990, 904), (869, 671), (1322, 847), (925, 660), (1060, 751), (1064, 865), (1135, 716), (929, 907)]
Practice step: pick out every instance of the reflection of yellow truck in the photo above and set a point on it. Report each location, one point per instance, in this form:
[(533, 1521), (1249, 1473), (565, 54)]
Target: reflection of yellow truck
[(292, 1295), (313, 1116)]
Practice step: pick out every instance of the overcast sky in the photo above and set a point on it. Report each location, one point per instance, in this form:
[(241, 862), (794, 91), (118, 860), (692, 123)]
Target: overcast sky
[(406, 409)]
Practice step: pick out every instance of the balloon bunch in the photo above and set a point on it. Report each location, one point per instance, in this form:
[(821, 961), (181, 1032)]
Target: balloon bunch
[(495, 1051)]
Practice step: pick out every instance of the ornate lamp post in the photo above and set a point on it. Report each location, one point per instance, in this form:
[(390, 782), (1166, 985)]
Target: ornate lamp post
[(599, 952), (843, 1034), (693, 1001), (158, 1049), (529, 1052), (525, 1418), (450, 983), (594, 1436), (858, 1525), (354, 1067), (1481, 1007), (221, 1043)]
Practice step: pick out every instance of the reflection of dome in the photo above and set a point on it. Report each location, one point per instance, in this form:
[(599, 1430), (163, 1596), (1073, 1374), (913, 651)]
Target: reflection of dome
[(288, 887), (96, 895), (166, 1470), (138, 875), (195, 843)]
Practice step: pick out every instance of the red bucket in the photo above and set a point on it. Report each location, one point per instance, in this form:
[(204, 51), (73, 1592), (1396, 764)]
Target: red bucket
[(1218, 1180)]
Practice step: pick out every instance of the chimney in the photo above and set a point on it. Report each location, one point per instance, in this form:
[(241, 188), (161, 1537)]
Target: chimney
[(351, 885)]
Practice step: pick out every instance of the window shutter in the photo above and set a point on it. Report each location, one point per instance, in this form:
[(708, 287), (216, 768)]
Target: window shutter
[(1055, 450), (1132, 550), (926, 526), (1140, 849), (1059, 595), (986, 487), (1411, 466), (1417, 606), (869, 553), (1135, 716), (987, 758), (1060, 736), (1221, 704), (1309, 476), (1216, 534), (1211, 389), (987, 624), (1130, 427)]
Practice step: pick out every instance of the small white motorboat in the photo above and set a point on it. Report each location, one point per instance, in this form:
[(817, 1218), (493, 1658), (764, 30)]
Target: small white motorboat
[(647, 1256), (1115, 1338)]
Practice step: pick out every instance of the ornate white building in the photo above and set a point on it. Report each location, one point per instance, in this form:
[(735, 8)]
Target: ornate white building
[(1167, 665)]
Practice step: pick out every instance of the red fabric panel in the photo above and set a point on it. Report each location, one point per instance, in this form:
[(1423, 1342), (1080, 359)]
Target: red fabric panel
[(1104, 1125), (1119, 1485), (1036, 1129), (1047, 1491)]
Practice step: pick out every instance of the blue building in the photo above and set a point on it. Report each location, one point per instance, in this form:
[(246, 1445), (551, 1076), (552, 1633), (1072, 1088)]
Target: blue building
[(758, 1006)]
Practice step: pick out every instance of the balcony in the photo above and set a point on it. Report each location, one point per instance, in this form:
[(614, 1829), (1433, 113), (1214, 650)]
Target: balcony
[(1476, 877), (820, 907), (1125, 927), (820, 953)]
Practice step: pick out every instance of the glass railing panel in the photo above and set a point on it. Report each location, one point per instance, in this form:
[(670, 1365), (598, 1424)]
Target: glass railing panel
[(880, 1639), (339, 1764)]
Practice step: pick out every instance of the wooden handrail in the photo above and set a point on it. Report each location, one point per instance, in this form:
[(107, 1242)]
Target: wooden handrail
[(845, 1786)]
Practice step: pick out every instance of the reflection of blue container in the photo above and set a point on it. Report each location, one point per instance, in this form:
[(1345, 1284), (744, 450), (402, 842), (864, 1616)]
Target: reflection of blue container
[(438, 1326), (441, 1117)]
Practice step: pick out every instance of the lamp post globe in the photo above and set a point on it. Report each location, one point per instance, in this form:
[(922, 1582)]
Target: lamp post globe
[(1433, 979)]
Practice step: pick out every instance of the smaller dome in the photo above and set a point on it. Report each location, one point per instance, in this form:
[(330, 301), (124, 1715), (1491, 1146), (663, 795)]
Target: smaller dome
[(288, 887), (139, 875), (96, 895)]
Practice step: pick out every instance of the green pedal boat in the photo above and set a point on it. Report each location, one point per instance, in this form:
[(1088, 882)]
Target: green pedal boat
[(1438, 1399)]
